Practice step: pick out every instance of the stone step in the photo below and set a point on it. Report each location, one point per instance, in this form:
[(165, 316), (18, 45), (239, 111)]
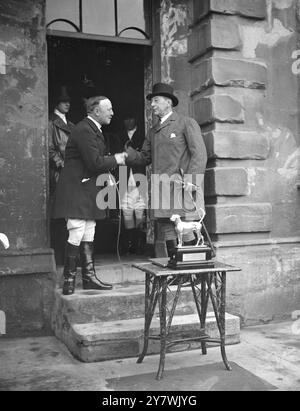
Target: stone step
[(111, 270), (121, 303), (100, 341), (101, 325), (119, 272)]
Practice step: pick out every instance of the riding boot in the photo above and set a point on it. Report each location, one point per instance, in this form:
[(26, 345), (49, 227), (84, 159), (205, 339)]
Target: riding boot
[(140, 244), (171, 245), (70, 268), (89, 279), (133, 241), (126, 241)]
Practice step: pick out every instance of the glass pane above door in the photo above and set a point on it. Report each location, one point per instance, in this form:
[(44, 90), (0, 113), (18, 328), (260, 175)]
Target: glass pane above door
[(62, 10), (131, 14), (113, 18), (98, 17)]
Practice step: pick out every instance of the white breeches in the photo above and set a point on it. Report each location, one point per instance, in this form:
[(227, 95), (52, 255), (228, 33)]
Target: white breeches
[(81, 230)]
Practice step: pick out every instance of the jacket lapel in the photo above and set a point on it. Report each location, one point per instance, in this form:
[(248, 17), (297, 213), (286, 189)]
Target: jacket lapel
[(61, 124), (166, 123), (95, 129)]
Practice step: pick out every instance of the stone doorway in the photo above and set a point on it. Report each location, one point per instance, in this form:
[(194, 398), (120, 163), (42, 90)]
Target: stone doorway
[(123, 73)]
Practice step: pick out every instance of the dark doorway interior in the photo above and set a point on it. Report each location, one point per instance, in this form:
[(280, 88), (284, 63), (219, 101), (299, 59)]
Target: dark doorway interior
[(118, 71)]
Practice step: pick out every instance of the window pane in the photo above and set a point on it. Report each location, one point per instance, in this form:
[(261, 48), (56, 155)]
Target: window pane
[(131, 14), (98, 17), (62, 9)]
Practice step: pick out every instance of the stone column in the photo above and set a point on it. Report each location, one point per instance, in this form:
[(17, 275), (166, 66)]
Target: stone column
[(26, 269)]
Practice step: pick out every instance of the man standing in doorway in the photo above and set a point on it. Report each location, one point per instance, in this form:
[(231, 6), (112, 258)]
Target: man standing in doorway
[(59, 131), (86, 157), (175, 147), (133, 204)]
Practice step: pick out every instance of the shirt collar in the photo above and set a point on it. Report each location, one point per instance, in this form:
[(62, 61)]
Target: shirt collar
[(164, 118), (95, 122), (61, 115), (130, 133)]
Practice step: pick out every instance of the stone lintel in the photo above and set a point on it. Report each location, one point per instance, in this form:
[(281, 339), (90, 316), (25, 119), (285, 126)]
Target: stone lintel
[(246, 8), (242, 145), (226, 181), (239, 218)]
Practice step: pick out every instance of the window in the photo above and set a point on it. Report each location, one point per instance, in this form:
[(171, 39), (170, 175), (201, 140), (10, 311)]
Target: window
[(63, 15), (118, 18)]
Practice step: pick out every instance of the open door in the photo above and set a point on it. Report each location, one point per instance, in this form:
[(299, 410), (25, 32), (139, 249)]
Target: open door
[(118, 70)]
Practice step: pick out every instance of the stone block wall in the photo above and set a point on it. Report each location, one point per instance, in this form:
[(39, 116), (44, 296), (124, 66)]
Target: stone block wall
[(249, 129), (244, 94)]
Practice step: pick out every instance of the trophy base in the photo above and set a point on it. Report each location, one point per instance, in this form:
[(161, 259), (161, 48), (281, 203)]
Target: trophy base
[(191, 257)]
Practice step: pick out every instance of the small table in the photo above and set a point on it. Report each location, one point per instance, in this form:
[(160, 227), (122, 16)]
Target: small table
[(206, 283)]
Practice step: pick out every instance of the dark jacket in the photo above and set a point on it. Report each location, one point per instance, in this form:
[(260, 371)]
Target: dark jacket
[(59, 133), (86, 157), (175, 145)]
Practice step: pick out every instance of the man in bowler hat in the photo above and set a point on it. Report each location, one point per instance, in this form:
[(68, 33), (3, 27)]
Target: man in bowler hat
[(175, 147), (86, 157)]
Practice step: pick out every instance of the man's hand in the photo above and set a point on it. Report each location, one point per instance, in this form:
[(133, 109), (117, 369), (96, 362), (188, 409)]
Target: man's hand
[(188, 186), (120, 158), (130, 156)]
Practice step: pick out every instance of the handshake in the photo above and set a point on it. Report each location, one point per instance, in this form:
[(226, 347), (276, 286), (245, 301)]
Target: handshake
[(121, 158)]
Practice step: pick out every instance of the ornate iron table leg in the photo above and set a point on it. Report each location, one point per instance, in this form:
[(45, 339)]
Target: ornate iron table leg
[(150, 304), (204, 303), (219, 302), (222, 319), (175, 301), (201, 306), (163, 326)]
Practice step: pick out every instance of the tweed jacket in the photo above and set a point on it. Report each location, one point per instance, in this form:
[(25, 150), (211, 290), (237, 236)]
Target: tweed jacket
[(175, 148)]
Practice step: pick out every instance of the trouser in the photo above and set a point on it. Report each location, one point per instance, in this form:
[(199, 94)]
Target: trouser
[(133, 207), (80, 230), (166, 239), (167, 231)]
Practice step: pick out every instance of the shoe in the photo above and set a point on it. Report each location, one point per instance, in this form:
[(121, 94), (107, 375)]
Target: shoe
[(70, 268), (90, 281)]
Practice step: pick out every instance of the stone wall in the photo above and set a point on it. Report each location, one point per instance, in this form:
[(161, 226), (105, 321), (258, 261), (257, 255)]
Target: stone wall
[(244, 93), (26, 268)]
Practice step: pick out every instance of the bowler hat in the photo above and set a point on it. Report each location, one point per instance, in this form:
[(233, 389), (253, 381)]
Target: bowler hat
[(165, 90), (62, 95)]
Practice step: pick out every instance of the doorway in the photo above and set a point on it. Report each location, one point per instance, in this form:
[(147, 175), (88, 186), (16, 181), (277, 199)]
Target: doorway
[(118, 71)]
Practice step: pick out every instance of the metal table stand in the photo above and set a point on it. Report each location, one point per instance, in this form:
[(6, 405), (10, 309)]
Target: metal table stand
[(206, 284)]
